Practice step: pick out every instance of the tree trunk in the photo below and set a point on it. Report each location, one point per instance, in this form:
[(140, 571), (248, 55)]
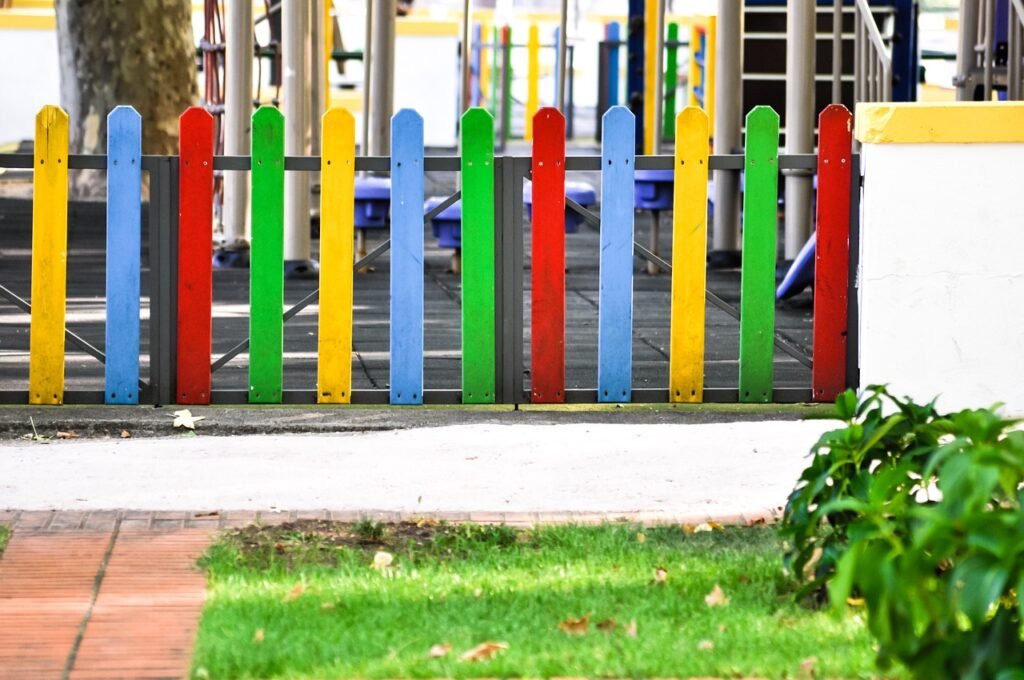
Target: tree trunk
[(115, 52)]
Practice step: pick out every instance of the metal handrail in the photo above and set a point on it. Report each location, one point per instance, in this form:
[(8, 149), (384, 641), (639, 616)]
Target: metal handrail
[(872, 61), (1015, 52)]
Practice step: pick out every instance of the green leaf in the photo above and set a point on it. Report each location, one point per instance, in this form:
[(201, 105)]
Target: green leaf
[(983, 580)]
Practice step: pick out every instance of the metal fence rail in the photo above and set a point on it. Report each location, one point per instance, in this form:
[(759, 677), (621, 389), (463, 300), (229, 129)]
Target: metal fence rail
[(872, 59)]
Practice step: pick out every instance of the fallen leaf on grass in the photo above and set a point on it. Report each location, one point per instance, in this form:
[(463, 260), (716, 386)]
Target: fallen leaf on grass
[(258, 636), (382, 560), (326, 606), (716, 598), (811, 563), (296, 592), (660, 576), (437, 651), (184, 418), (808, 667), (641, 537), (125, 434), (575, 626), (855, 601), (478, 592), (484, 651), (67, 435), (705, 645), (631, 629), (606, 625)]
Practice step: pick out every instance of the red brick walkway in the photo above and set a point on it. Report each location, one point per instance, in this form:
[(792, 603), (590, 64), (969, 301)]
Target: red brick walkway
[(82, 603)]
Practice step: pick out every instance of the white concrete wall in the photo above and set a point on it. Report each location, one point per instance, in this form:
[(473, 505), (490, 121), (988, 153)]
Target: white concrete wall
[(29, 80), (942, 272)]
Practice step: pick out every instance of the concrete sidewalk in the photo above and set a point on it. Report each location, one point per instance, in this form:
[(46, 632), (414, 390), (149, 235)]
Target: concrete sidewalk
[(655, 471)]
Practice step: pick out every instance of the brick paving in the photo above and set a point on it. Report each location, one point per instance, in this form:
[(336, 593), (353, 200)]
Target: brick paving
[(116, 594)]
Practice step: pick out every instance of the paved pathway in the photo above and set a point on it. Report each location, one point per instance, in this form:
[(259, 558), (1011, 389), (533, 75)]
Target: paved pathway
[(667, 471), (122, 602)]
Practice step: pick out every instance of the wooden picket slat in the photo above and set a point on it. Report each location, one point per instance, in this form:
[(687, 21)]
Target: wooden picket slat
[(124, 254), (757, 278), (547, 339), (615, 308), (266, 268), (337, 218), (406, 366), (832, 252), (478, 285), (49, 257), (689, 248), (195, 263)]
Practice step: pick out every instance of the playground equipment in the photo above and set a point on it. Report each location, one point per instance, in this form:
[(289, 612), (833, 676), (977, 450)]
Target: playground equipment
[(579, 192), (492, 261), (989, 58)]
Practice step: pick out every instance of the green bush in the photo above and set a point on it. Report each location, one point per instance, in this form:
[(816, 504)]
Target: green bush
[(921, 516)]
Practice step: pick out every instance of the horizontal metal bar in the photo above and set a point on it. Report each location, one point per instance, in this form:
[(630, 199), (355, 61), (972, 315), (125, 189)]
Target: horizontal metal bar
[(807, 161), (642, 395)]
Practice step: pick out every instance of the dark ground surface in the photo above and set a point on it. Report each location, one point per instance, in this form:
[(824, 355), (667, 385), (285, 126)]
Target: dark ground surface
[(85, 313)]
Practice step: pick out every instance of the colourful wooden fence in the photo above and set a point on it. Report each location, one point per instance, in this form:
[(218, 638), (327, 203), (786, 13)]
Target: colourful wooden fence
[(479, 235)]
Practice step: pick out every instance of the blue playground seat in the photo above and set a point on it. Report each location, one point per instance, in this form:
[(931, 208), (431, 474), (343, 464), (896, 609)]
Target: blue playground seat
[(652, 189), (446, 225), (373, 202), (580, 192), (801, 273)]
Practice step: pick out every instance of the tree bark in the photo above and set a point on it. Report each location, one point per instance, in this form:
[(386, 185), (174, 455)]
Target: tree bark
[(138, 52)]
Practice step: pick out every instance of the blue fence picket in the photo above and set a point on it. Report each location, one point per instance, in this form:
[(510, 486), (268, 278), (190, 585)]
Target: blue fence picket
[(615, 309), (407, 258), (124, 225)]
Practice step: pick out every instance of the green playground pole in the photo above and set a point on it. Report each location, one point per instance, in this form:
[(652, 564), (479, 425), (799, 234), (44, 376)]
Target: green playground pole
[(671, 68)]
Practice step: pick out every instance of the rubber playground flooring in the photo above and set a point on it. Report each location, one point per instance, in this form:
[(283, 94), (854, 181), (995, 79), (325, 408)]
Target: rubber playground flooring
[(442, 327)]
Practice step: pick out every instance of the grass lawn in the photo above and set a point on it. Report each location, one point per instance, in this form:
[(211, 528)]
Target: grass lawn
[(305, 601)]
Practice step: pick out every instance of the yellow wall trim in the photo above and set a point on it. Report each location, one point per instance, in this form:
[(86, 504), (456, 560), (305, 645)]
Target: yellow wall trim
[(28, 19), (420, 27), (940, 123)]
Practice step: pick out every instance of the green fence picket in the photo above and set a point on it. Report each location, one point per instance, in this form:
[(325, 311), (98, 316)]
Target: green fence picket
[(478, 321), (757, 298), (266, 273)]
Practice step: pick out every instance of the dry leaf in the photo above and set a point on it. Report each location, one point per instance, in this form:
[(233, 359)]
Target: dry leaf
[(641, 537), (702, 527), (757, 521), (808, 667), (326, 606), (606, 625), (478, 592), (716, 598), (660, 575), (426, 522), (811, 563), (483, 651), (211, 513), (705, 645), (437, 651), (382, 560), (296, 592), (575, 626), (855, 601), (67, 435), (258, 636), (184, 418), (125, 434), (631, 628), (688, 528), (715, 526)]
